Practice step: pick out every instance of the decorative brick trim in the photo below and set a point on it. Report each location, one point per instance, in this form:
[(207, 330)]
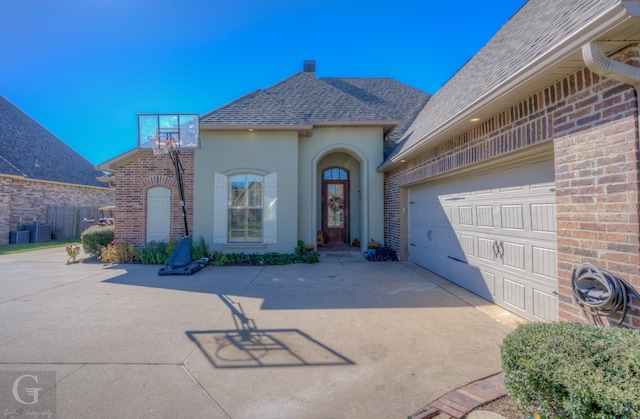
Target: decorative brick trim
[(158, 180)]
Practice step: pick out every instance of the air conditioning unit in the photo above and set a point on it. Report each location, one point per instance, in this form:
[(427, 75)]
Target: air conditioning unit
[(19, 237)]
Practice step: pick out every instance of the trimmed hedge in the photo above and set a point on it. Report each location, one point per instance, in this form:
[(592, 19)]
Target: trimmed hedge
[(573, 370), (93, 239)]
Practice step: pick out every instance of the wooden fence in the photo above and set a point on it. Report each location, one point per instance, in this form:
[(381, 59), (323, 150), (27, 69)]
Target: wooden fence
[(68, 221)]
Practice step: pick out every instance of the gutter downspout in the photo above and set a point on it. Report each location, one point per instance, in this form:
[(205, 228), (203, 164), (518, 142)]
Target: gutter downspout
[(598, 62)]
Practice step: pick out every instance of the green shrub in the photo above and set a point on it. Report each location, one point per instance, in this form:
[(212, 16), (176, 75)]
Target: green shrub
[(572, 370), (94, 239), (300, 255), (199, 249), (155, 253)]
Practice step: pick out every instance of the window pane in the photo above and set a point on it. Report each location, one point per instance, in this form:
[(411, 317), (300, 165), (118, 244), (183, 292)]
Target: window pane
[(335, 196), (237, 225), (245, 208), (237, 189), (254, 194), (254, 225)]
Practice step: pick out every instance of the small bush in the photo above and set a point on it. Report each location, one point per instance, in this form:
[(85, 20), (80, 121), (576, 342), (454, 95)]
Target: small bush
[(94, 239), (118, 253), (199, 249), (572, 370), (155, 253), (382, 254)]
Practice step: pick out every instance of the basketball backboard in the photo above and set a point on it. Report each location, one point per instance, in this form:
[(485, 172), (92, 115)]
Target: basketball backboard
[(182, 129)]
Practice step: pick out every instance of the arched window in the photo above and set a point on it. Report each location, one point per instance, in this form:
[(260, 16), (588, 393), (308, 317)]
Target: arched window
[(335, 173)]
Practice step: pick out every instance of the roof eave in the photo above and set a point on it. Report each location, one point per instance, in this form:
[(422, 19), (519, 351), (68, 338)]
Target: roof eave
[(248, 127), (597, 28), (112, 164), (387, 125)]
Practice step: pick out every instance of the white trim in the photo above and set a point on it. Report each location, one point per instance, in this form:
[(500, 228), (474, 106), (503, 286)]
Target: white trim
[(270, 209), (220, 213)]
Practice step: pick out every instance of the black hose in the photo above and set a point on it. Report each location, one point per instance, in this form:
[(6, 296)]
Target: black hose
[(600, 293)]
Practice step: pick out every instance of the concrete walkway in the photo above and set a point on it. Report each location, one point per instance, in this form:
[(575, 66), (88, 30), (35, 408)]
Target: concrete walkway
[(344, 338)]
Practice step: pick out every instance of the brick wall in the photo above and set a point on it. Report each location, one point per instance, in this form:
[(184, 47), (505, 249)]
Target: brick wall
[(29, 199), (135, 178), (594, 128)]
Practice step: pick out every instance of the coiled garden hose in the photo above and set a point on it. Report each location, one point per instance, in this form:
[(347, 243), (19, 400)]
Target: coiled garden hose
[(600, 293)]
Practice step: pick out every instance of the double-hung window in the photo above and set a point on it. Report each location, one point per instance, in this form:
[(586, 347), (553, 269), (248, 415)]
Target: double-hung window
[(245, 208)]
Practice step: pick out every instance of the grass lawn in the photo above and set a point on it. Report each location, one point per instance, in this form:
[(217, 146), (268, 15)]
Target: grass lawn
[(7, 249)]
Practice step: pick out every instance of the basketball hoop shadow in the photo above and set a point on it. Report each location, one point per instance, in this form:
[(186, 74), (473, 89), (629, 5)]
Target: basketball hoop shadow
[(246, 346)]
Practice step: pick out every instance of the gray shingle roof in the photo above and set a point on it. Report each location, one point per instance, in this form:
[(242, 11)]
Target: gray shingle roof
[(303, 100), (536, 28), (28, 149), (256, 108), (387, 96)]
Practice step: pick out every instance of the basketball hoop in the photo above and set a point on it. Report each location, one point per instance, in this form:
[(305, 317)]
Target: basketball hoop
[(162, 143)]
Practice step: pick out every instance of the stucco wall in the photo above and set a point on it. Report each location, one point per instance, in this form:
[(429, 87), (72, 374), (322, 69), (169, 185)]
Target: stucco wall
[(230, 152), (364, 146), (29, 199), (593, 125)]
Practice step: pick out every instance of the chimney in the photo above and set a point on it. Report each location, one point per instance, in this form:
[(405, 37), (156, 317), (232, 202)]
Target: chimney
[(309, 66)]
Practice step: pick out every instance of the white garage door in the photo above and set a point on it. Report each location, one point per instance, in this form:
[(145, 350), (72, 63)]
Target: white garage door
[(493, 233)]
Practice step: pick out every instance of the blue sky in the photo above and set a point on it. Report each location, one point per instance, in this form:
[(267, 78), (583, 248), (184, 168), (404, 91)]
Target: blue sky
[(84, 69)]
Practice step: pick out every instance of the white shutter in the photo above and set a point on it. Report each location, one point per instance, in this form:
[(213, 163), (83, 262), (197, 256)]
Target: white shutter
[(158, 214), (270, 211), (220, 208)]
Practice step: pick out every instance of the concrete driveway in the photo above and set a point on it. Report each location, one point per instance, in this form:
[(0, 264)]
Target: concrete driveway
[(344, 338)]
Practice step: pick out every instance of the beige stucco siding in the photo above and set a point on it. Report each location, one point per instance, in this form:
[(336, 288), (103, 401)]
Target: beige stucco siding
[(261, 152), (360, 151)]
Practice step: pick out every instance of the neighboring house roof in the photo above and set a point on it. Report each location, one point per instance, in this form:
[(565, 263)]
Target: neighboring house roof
[(538, 44), (302, 101), (28, 150)]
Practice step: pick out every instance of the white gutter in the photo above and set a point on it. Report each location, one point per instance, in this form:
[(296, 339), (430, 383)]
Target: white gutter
[(600, 25), (598, 62), (596, 59)]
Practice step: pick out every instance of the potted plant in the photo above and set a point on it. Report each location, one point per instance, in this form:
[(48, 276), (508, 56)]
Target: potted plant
[(372, 246)]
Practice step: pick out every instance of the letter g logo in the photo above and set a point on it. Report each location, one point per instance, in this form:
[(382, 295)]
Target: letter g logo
[(31, 391)]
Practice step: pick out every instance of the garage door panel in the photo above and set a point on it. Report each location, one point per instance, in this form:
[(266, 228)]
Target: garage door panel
[(513, 255), (494, 233), (544, 262), (545, 306), (513, 293), (487, 249), (484, 215), (543, 217), (512, 217), (489, 279), (467, 245)]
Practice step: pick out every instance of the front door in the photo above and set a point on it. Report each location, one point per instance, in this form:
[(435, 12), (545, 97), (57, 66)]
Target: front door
[(335, 206)]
